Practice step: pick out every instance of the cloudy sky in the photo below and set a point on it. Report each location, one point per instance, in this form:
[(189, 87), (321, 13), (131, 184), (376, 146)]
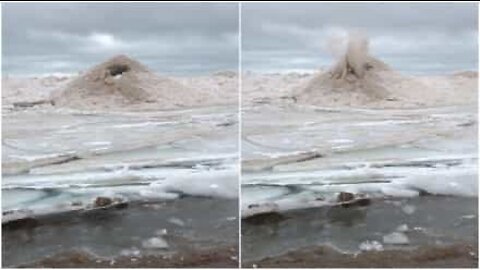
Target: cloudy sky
[(411, 37), (187, 38)]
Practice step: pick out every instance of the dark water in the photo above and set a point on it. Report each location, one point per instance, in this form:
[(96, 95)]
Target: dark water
[(190, 223), (435, 220)]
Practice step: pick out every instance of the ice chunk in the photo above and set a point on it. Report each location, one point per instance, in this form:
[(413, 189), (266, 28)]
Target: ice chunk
[(396, 238), (130, 252), (155, 243), (396, 191), (97, 143), (371, 245), (408, 209), (177, 221), (216, 183), (468, 217), (161, 232), (402, 228)]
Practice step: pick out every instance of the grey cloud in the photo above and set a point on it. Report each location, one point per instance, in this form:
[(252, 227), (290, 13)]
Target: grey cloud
[(186, 38), (173, 38), (412, 37)]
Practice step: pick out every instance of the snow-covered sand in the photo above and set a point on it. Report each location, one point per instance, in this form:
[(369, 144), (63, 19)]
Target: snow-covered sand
[(90, 140), (121, 83), (404, 91)]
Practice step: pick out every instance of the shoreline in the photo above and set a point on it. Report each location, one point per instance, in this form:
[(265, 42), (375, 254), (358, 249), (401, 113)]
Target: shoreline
[(225, 257), (463, 255)]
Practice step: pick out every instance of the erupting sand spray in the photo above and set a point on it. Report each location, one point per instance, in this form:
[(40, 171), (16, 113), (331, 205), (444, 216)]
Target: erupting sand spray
[(359, 79), (355, 58), (355, 73)]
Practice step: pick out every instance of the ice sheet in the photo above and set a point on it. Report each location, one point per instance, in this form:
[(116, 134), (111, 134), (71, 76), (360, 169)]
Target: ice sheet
[(372, 153), (62, 160)]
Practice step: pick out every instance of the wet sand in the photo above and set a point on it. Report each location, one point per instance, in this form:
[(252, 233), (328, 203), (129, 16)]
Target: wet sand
[(216, 258), (452, 256)]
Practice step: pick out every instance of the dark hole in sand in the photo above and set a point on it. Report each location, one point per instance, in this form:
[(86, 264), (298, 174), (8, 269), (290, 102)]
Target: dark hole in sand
[(118, 69)]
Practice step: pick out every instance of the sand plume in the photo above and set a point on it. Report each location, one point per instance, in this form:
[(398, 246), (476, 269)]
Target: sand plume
[(356, 76)]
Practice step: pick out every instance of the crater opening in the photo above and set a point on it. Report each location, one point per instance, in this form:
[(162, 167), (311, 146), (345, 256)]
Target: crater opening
[(117, 69)]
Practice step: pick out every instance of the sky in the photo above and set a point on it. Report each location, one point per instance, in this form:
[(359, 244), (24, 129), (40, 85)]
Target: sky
[(414, 38), (170, 38), (201, 38)]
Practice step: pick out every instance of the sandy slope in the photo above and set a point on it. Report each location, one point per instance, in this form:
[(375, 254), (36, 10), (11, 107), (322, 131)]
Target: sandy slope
[(31, 89), (404, 91), (135, 89)]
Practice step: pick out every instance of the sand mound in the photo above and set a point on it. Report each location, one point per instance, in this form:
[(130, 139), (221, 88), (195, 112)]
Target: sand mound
[(357, 77), (121, 82), (359, 80)]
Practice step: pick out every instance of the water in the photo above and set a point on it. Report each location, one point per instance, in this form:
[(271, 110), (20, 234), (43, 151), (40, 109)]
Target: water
[(434, 221), (185, 224)]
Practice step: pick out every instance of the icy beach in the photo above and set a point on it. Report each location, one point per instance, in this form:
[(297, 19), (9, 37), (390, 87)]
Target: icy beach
[(158, 179), (381, 175)]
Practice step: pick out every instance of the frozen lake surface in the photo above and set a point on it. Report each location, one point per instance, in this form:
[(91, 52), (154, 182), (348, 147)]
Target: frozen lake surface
[(61, 165), (61, 160)]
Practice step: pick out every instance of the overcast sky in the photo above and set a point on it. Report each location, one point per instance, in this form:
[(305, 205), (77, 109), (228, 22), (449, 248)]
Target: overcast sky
[(199, 38), (187, 38), (411, 37)]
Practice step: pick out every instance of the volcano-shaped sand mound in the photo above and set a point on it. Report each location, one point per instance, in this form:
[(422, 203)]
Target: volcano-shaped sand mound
[(121, 83), (357, 77)]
